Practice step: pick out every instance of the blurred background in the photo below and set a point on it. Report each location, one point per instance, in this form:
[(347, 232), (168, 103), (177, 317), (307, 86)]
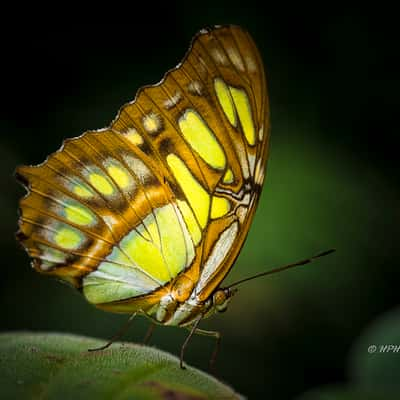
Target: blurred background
[(331, 182)]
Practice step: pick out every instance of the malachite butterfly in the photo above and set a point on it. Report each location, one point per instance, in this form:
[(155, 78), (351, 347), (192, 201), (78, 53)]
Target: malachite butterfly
[(149, 214)]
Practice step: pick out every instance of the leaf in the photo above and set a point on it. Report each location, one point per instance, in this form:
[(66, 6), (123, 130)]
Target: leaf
[(375, 358), (59, 366), (374, 365)]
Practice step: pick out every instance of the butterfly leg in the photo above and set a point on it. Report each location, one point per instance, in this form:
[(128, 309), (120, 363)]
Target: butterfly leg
[(192, 328), (118, 335), (149, 333), (217, 336)]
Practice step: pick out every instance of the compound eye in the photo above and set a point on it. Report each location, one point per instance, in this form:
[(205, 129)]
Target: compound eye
[(219, 298)]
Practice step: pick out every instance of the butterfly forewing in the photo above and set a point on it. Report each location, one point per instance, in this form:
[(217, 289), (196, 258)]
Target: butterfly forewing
[(169, 188)]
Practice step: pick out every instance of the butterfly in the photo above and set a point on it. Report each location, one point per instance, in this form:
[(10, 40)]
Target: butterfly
[(148, 215)]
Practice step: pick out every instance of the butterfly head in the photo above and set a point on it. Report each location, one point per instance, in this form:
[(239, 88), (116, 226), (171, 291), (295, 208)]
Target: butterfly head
[(221, 298)]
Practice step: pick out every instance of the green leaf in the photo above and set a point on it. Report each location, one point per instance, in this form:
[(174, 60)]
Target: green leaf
[(58, 366), (374, 365), (375, 358)]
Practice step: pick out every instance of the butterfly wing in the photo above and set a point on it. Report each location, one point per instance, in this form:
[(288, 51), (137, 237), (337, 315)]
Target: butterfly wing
[(170, 186)]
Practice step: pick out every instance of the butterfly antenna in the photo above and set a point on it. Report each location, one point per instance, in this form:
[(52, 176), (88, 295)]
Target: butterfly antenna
[(279, 269)]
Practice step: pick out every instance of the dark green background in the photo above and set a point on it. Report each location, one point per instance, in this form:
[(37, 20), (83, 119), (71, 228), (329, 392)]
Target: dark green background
[(331, 180)]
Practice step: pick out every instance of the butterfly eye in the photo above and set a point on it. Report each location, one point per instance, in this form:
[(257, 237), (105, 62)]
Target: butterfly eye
[(220, 300)]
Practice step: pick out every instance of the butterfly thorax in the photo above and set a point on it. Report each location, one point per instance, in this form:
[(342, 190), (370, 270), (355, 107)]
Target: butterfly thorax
[(171, 311)]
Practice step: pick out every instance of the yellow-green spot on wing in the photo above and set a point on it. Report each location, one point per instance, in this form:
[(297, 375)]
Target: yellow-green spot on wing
[(146, 255), (219, 207), (78, 214), (190, 221), (119, 175), (68, 238), (177, 248), (228, 177), (225, 99), (165, 258), (82, 191), (243, 108), (101, 184), (231, 99), (202, 139), (151, 232), (196, 195)]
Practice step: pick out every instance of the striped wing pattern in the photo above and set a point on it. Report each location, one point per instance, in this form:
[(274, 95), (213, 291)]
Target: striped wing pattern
[(169, 188)]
